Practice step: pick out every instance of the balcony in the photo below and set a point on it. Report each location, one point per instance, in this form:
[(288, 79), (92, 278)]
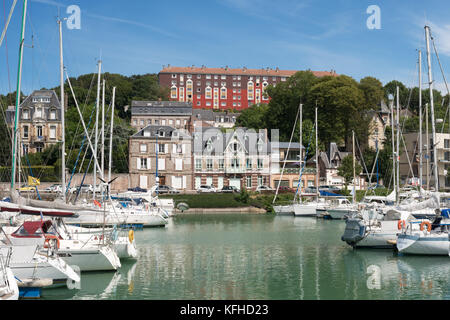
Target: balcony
[(234, 170), (298, 170)]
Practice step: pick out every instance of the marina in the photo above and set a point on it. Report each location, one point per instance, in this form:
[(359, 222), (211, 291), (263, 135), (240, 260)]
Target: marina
[(220, 183), (246, 257)]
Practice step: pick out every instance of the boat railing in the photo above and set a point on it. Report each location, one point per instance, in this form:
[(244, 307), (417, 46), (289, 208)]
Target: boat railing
[(4, 262)]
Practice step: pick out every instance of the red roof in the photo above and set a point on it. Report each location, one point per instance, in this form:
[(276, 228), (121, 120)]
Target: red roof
[(242, 71)]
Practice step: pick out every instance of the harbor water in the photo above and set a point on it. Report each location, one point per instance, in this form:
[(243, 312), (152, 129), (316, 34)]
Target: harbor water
[(234, 257)]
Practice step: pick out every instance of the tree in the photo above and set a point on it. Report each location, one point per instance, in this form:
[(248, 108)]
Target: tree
[(253, 117), (345, 170), (285, 100)]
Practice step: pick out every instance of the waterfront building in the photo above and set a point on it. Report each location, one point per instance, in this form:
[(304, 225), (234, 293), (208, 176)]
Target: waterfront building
[(329, 163), (164, 151), (409, 161), (239, 158), (280, 157), (39, 121), (214, 118), (381, 119), (161, 113), (223, 88)]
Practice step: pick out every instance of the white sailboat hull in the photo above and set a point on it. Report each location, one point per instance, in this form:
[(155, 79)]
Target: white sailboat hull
[(144, 220), (91, 259), (421, 244), (284, 210), (340, 213), (305, 210)]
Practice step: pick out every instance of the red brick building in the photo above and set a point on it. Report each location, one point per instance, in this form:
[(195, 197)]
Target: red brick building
[(223, 88)]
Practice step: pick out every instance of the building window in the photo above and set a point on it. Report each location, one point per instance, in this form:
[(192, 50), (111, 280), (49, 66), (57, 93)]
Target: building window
[(198, 164), (161, 148), (260, 180), (260, 163), (39, 131), (25, 149), (223, 93), (235, 163), (25, 132), (249, 164), (249, 181), (208, 93), (53, 114), (446, 143), (25, 115), (135, 122), (38, 113), (221, 164), (143, 163), (209, 164), (143, 148), (52, 132), (208, 76), (174, 76), (39, 149), (173, 92)]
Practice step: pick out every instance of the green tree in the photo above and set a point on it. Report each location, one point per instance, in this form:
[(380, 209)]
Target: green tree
[(346, 170), (253, 117)]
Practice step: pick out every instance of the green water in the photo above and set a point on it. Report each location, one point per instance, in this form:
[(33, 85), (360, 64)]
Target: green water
[(261, 257)]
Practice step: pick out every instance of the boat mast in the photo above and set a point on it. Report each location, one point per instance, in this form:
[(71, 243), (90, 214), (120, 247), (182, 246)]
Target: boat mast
[(16, 114), (393, 150), (103, 129), (317, 162), (301, 153), (428, 147), (398, 142), (354, 169), (111, 134), (63, 138), (433, 125), (96, 123), (420, 123)]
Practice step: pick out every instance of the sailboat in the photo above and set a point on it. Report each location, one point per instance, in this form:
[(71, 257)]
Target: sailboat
[(432, 238), (8, 284)]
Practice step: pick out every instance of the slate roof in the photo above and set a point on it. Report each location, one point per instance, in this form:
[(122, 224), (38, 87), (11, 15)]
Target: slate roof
[(220, 140), (161, 108), (28, 103), (168, 132)]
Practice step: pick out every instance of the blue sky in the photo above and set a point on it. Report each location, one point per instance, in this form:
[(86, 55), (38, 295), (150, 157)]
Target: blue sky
[(139, 36)]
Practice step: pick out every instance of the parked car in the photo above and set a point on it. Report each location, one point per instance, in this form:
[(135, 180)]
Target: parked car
[(261, 189), (229, 189), (53, 188), (206, 188), (27, 188), (329, 188), (84, 188), (166, 190), (285, 189), (137, 189)]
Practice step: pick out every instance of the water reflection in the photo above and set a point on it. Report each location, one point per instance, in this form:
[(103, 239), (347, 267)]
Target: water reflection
[(263, 257)]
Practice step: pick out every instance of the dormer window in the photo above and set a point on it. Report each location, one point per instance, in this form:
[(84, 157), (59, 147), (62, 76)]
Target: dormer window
[(38, 113), (26, 114), (53, 114)]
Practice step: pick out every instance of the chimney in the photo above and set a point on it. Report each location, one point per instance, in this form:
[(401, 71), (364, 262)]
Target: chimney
[(168, 66), (226, 68), (244, 69), (278, 69)]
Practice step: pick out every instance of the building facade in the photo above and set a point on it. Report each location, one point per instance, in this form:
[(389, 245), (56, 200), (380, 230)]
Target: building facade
[(238, 158), (285, 167), (161, 151), (39, 121), (161, 113), (409, 161), (223, 88)]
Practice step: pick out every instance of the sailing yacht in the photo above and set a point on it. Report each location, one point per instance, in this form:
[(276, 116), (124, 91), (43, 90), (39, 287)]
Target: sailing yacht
[(88, 254), (8, 284), (27, 262)]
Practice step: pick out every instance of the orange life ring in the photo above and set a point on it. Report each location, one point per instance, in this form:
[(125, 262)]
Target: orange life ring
[(47, 241), (401, 224), (425, 223)]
